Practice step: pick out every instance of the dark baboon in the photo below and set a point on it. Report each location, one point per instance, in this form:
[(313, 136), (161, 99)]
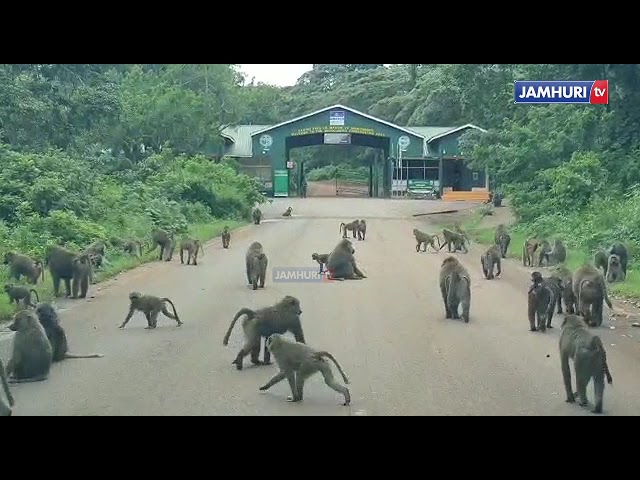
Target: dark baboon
[(538, 301), (601, 261), (491, 259), (22, 265), (341, 263), (590, 290), (565, 279), (192, 247), (32, 353), (282, 317), (257, 216), (297, 362), (589, 361), (164, 240), (620, 250), (256, 262), (614, 269), (351, 226), (502, 239), (362, 229), (548, 299), (558, 253), (226, 237), (151, 307), (455, 286), (422, 239), (63, 266), (288, 212), (5, 409), (55, 333), (321, 258), (528, 252), (544, 250), (456, 239), (17, 293), (132, 247)]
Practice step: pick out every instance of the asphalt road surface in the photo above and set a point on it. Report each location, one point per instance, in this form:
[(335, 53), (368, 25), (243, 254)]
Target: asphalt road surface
[(388, 332)]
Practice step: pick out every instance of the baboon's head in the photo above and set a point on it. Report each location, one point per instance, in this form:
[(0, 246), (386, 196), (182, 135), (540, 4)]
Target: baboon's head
[(45, 311), (133, 296), (450, 261), (573, 321), (273, 341), (415, 231), (291, 303), (23, 320), (8, 258), (614, 260), (536, 277), (314, 256)]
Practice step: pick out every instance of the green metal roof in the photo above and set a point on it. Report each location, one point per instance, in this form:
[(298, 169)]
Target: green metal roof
[(428, 132), (240, 136)]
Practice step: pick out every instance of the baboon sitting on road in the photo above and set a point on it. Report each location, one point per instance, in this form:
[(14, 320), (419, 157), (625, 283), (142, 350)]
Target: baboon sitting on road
[(342, 264), (32, 353), (614, 269)]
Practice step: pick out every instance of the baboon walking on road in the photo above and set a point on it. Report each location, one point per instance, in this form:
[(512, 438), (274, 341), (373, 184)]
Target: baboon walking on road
[(455, 286)]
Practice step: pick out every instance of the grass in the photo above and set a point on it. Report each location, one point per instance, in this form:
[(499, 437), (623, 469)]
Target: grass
[(630, 288), (118, 263)]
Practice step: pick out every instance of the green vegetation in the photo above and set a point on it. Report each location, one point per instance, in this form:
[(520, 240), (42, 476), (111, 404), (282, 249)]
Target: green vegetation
[(341, 171)]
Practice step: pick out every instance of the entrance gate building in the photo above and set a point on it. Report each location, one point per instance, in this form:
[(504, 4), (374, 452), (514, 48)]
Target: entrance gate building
[(407, 155)]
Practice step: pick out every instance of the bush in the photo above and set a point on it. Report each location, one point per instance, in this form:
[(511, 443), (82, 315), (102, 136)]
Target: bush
[(344, 171)]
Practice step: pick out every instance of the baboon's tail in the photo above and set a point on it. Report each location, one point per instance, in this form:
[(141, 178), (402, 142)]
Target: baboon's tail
[(245, 311), (33, 290), (597, 346), (175, 312), (76, 355), (331, 357), (5, 385)]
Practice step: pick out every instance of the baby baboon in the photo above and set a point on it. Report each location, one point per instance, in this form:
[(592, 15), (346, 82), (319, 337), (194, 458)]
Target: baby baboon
[(192, 246), (257, 216), (456, 239), (22, 265), (614, 269), (362, 229), (297, 362), (544, 250), (490, 259), (341, 263), (589, 361), (164, 240), (17, 293), (528, 251), (321, 258), (502, 239), (226, 237), (565, 278), (151, 307), (422, 239), (558, 253), (5, 409), (455, 286), (351, 226), (82, 276), (282, 317), (620, 250), (256, 262), (63, 267), (55, 333), (32, 353), (133, 247), (288, 212), (601, 261), (590, 290)]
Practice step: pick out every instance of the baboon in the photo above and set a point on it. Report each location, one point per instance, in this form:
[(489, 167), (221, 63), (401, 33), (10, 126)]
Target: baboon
[(17, 293), (553, 285), (287, 212), (620, 250), (590, 290), (116, 242), (62, 266), (257, 216), (544, 250), (502, 239), (589, 361), (455, 286), (565, 280), (362, 229), (32, 352), (423, 239), (490, 259), (341, 263), (164, 240), (5, 409), (538, 301), (282, 317), (226, 237), (256, 262), (614, 269), (321, 258), (22, 265), (558, 253), (96, 248), (192, 246), (49, 320), (297, 362), (528, 251), (133, 247), (151, 306), (456, 239), (351, 226), (601, 261)]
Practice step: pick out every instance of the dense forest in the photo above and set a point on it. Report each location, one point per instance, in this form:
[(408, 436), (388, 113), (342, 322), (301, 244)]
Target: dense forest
[(96, 151)]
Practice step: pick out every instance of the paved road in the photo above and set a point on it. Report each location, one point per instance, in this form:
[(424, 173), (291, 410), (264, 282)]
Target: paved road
[(388, 332)]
